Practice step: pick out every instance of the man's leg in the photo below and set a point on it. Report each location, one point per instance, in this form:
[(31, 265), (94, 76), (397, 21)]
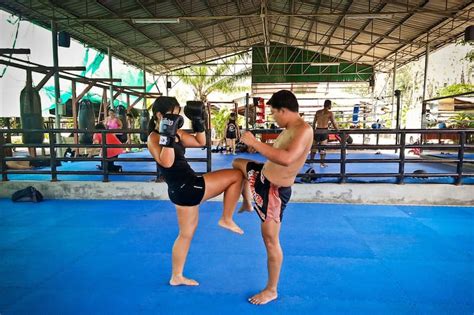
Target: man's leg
[(271, 237), (322, 153), (241, 164)]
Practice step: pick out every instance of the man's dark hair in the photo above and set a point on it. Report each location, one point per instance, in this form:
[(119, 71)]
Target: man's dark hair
[(327, 103), (284, 99)]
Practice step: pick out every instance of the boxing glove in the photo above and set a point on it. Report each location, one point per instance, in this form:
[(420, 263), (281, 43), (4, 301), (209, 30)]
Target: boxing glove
[(195, 111), (169, 125)]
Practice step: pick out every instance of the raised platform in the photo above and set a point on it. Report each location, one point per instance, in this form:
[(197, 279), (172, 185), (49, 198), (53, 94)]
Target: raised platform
[(413, 194)]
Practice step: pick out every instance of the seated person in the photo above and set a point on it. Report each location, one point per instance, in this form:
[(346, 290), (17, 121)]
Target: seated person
[(111, 138)]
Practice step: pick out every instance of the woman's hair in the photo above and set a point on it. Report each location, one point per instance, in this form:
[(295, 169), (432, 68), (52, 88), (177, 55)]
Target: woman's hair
[(99, 126), (162, 104), (111, 110)]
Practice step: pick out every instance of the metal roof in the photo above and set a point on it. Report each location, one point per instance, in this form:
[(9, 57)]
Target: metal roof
[(370, 32)]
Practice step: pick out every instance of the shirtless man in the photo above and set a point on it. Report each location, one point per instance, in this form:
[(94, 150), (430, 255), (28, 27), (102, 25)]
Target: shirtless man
[(320, 127), (269, 184)]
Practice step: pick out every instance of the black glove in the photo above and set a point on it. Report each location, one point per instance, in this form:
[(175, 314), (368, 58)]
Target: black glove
[(169, 125), (195, 111)]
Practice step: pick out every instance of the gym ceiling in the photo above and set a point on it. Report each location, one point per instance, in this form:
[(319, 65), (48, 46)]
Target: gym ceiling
[(165, 35)]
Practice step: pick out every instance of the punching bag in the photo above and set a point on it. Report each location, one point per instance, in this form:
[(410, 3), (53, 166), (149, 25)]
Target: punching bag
[(144, 120), (86, 121), (30, 112), (122, 115)]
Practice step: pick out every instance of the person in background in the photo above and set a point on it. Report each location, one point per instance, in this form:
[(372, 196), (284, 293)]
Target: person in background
[(320, 127), (112, 121), (110, 138), (131, 125), (232, 133)]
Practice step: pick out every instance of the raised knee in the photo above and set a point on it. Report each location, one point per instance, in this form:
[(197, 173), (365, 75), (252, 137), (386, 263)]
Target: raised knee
[(236, 163)]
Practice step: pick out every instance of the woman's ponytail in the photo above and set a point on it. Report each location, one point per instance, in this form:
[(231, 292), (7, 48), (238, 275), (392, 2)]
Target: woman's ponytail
[(152, 124)]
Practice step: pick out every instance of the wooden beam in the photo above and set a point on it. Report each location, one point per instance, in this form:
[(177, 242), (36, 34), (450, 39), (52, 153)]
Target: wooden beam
[(44, 80), (15, 51), (74, 111)]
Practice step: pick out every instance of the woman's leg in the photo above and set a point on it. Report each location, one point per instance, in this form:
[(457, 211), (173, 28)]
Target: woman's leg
[(229, 182), (232, 141), (187, 220)]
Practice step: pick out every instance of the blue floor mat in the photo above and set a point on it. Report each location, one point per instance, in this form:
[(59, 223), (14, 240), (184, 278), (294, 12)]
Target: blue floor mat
[(114, 257)]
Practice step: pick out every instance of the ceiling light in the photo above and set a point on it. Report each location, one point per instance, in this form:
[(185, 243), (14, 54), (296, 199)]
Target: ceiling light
[(325, 63), (156, 21), (363, 16)]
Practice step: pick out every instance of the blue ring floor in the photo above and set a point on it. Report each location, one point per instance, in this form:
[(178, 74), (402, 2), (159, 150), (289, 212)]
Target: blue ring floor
[(113, 257), (221, 161)]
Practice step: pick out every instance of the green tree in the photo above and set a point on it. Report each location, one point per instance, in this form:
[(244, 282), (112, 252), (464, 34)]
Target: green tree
[(221, 78), (454, 89)]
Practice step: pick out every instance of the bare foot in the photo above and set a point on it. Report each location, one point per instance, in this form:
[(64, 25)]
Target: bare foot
[(181, 280), (230, 225), (246, 207), (263, 297)]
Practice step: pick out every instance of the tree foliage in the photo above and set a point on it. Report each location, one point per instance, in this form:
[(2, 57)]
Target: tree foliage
[(207, 79)]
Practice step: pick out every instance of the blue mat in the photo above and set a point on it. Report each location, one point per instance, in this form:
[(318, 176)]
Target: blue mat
[(113, 257), (222, 161)]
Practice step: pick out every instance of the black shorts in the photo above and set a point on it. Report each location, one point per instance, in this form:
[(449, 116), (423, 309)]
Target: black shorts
[(231, 135), (270, 200), (320, 137), (188, 192)]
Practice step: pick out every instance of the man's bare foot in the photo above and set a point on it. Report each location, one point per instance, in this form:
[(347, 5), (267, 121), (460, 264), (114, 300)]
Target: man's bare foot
[(230, 225), (181, 280), (263, 297), (246, 207)]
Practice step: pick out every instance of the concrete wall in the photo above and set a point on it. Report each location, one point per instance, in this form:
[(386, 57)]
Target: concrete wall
[(434, 194)]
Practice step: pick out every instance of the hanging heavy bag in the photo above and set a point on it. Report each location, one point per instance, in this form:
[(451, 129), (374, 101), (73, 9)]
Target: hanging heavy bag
[(30, 112), (86, 121), (144, 120), (27, 194)]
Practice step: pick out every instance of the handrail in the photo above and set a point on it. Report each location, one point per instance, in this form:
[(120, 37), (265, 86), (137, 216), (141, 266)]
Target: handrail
[(461, 147)]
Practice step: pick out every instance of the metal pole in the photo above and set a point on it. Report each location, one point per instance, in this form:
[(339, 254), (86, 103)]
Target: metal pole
[(111, 103), (247, 111), (425, 78), (397, 118), (167, 85), (425, 73), (399, 105), (393, 86), (57, 94), (144, 87)]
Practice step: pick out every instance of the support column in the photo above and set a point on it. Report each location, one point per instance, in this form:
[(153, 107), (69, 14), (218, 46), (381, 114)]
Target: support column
[(57, 94), (74, 110), (393, 87), (144, 87), (425, 78), (111, 104)]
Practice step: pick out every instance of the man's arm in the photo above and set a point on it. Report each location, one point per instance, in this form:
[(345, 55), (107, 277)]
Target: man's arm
[(333, 121), (286, 156), (315, 120)]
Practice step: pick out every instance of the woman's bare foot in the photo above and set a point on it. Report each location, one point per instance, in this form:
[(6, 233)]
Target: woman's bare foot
[(230, 225), (181, 280), (263, 297), (246, 207)]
